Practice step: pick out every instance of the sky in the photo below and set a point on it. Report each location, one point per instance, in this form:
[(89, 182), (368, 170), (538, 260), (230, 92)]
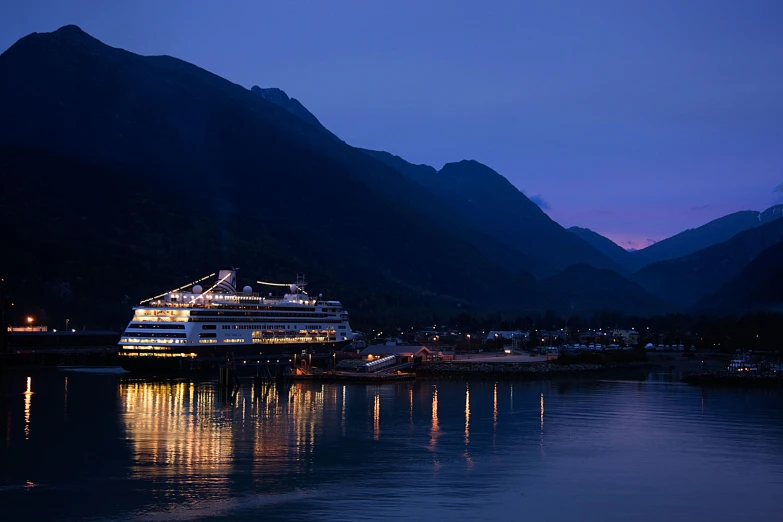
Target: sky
[(634, 118)]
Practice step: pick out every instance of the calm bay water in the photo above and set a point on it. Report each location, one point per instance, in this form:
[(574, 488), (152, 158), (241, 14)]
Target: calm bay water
[(87, 446)]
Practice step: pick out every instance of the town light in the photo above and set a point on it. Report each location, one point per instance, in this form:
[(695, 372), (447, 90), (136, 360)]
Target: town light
[(29, 320)]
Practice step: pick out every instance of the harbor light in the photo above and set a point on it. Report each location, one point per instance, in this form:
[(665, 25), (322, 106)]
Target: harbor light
[(29, 320)]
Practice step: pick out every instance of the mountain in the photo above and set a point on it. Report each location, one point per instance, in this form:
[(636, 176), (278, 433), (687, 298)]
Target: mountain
[(607, 247), (419, 173), (712, 233), (771, 214), (292, 105), (583, 289), (137, 174), (758, 287), (497, 208), (686, 280)]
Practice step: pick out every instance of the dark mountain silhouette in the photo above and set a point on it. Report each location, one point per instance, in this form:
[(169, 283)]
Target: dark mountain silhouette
[(771, 214), (582, 289), (712, 233), (686, 280), (420, 173), (138, 174), (607, 247), (292, 105), (164, 171), (498, 208), (758, 287)]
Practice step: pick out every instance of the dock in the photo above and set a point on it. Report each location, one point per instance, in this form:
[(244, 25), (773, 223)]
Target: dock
[(353, 377)]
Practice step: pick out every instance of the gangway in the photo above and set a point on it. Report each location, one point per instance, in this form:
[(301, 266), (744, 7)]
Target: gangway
[(379, 364), (387, 365)]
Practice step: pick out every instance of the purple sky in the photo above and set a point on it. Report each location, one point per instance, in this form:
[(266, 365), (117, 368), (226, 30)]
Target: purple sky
[(634, 118)]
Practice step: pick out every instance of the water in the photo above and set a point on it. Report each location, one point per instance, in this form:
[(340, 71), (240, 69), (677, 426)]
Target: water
[(93, 446)]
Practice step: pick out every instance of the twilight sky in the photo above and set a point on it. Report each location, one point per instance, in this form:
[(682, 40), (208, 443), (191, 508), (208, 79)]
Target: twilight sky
[(635, 118)]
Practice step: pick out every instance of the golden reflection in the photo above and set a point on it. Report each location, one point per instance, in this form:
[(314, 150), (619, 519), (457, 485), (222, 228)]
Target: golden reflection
[(468, 459), (467, 415), (434, 429), (274, 406), (410, 410), (465, 454), (306, 415), (175, 429), (376, 417), (65, 400), (495, 413), (495, 408), (189, 432), (28, 396), (542, 410)]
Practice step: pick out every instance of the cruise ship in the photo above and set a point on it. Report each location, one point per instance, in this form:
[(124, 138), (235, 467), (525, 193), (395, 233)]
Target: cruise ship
[(192, 327)]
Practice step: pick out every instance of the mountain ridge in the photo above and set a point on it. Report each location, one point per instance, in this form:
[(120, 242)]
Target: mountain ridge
[(609, 248), (758, 287), (687, 279), (711, 233), (241, 179), (292, 105), (498, 208)]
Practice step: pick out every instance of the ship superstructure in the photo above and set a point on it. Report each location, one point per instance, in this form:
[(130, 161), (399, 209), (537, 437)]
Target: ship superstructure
[(198, 323)]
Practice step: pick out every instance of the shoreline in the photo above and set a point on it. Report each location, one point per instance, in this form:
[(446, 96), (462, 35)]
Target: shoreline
[(724, 379), (524, 371), (696, 371)]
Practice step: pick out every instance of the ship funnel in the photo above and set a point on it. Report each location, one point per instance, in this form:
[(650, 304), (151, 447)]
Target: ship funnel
[(227, 281)]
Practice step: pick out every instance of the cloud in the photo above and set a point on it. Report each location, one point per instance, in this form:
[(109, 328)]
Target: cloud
[(629, 245), (651, 241), (540, 201), (779, 188), (699, 208)]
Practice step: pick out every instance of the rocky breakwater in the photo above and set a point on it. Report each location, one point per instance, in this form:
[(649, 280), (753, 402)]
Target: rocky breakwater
[(534, 370)]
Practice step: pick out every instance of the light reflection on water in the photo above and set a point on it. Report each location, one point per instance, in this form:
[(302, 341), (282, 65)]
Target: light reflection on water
[(435, 428), (459, 450), (28, 402)]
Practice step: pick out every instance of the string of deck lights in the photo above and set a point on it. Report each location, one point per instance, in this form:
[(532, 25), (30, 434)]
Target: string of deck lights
[(193, 300), (271, 284), (178, 289), (280, 284)]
